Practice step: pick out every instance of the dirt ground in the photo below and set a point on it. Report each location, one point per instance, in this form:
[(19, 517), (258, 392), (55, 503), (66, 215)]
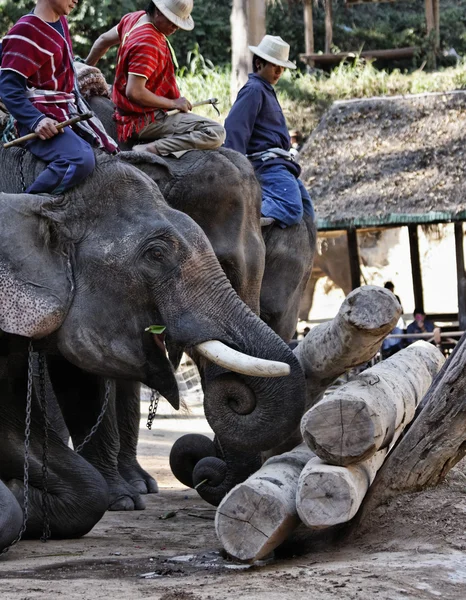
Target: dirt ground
[(415, 548)]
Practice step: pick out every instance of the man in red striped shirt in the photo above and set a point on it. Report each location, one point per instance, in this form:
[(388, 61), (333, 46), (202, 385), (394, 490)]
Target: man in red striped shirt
[(145, 86), (38, 87)]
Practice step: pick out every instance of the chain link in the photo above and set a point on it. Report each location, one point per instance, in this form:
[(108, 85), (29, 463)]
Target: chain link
[(27, 437), (45, 449), (108, 388), (21, 168), (153, 405)]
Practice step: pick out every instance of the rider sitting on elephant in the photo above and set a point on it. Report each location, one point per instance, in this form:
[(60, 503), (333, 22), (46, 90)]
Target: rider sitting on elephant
[(256, 127), (145, 84), (37, 86)]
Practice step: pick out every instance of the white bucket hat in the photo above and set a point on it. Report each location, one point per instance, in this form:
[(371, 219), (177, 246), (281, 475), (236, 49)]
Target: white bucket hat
[(177, 11), (274, 50)]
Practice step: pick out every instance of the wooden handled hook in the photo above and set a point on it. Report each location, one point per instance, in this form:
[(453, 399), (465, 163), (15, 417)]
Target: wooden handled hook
[(32, 136), (212, 101)]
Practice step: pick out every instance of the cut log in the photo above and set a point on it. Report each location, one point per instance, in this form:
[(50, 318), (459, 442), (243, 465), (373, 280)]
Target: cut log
[(260, 513), (352, 338), (434, 443), (358, 419), (329, 495)]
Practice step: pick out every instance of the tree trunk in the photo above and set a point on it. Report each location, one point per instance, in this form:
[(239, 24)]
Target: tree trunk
[(240, 54), (259, 514), (256, 21), (436, 440), (358, 419), (247, 28)]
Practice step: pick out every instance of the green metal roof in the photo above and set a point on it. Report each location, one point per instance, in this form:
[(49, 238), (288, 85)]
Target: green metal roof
[(390, 220)]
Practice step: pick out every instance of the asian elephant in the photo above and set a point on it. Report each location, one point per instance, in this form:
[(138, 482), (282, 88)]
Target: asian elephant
[(268, 267), (88, 272)]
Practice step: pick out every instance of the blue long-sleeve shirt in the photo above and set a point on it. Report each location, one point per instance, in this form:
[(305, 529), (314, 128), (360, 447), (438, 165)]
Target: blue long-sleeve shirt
[(256, 121), (13, 88)]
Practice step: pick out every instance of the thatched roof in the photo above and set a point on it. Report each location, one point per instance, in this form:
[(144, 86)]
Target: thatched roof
[(387, 161)]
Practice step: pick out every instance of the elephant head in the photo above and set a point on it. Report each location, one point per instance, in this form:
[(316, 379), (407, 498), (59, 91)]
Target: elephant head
[(93, 269)]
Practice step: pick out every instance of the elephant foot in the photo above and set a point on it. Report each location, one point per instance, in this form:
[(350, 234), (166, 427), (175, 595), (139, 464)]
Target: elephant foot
[(123, 496), (139, 479)]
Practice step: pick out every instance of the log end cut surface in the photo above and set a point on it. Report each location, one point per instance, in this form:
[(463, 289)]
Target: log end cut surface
[(251, 524), (339, 432)]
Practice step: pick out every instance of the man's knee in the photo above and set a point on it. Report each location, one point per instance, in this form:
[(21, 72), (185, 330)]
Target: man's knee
[(215, 134), (84, 163)]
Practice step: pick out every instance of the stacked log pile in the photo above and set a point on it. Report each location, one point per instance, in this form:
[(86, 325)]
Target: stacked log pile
[(347, 435)]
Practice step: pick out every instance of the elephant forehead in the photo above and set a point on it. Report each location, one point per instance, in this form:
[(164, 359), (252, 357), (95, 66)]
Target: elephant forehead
[(25, 310)]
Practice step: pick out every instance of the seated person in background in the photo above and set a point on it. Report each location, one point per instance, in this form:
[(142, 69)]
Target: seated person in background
[(145, 85), (390, 286), (38, 88), (419, 325), (256, 127), (391, 346)]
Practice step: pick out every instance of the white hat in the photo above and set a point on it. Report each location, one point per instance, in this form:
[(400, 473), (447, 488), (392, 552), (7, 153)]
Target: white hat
[(275, 50), (177, 11)]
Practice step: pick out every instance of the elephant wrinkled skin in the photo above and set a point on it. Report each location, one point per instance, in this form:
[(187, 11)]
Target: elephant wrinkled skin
[(89, 271)]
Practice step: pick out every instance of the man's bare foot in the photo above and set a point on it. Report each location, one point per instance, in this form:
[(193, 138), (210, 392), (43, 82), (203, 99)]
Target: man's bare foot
[(146, 148)]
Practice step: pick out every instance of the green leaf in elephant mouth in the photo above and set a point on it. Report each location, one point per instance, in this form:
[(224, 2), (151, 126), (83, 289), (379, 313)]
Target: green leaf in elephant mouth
[(156, 329)]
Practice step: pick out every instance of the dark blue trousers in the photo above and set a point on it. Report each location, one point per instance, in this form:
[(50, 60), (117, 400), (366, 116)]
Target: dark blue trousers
[(284, 196), (70, 159)]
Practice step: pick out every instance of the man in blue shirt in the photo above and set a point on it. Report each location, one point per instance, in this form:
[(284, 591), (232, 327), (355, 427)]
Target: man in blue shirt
[(256, 127)]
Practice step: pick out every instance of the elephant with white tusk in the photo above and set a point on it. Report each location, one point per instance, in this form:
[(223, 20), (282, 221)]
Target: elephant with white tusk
[(86, 274)]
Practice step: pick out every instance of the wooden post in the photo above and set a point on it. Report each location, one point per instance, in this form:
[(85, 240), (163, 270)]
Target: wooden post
[(353, 251), (329, 26), (461, 275), (416, 267), (308, 29)]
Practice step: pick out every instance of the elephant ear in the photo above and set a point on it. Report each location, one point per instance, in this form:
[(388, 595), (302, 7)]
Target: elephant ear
[(35, 273), (155, 166)]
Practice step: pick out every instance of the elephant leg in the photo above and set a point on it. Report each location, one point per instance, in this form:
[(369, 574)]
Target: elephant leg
[(77, 494), (128, 410), (81, 396), (11, 517)]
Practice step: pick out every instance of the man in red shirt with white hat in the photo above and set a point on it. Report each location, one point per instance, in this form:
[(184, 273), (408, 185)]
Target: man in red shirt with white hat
[(145, 85)]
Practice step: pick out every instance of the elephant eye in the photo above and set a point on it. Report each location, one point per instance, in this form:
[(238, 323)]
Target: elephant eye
[(156, 253)]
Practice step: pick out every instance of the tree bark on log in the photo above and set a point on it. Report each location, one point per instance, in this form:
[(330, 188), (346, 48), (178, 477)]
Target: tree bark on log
[(329, 495), (434, 443), (351, 424), (260, 513), (353, 337)]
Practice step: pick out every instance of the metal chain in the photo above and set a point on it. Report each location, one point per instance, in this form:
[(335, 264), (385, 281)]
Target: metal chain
[(108, 387), (27, 437), (45, 449), (21, 168), (153, 405)]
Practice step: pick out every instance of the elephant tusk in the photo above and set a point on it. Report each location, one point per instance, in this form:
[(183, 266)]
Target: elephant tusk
[(220, 354)]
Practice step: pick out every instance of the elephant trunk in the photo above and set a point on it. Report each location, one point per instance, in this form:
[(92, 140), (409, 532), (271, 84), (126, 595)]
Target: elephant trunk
[(209, 467), (253, 414)]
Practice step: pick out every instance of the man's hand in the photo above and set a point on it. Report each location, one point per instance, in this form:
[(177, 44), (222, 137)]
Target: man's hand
[(182, 104), (47, 128)]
